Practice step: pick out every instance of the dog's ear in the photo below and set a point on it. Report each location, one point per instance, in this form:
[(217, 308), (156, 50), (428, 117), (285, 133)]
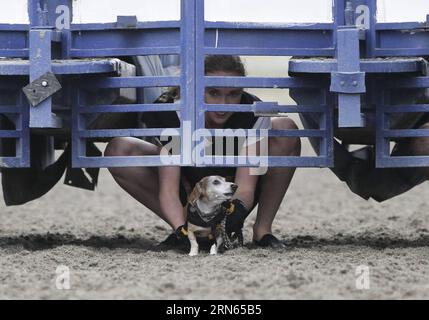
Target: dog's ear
[(200, 191), (196, 194)]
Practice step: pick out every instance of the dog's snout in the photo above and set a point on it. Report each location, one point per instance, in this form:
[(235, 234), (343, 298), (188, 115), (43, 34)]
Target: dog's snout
[(234, 187)]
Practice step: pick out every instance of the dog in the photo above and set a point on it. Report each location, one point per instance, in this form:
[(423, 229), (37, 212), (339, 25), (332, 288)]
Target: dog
[(205, 214)]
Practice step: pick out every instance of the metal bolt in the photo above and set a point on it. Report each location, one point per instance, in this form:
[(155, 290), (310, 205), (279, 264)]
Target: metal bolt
[(45, 84), (342, 83), (355, 83)]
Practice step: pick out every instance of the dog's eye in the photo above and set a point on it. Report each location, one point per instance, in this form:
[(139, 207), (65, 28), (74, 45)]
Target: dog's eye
[(216, 182)]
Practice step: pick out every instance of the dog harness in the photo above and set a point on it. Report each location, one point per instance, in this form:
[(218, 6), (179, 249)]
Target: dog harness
[(216, 222), (195, 217)]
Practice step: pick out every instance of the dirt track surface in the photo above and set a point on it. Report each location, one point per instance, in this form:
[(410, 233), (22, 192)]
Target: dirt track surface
[(107, 241)]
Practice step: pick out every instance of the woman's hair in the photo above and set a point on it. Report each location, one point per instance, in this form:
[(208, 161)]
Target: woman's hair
[(228, 63)]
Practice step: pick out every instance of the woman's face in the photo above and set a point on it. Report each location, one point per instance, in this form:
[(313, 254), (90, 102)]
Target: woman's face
[(221, 96)]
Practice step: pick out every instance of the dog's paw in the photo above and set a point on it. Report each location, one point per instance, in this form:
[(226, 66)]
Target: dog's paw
[(193, 253), (213, 251)]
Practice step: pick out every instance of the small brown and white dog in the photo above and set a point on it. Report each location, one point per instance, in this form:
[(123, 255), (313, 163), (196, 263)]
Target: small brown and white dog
[(204, 211)]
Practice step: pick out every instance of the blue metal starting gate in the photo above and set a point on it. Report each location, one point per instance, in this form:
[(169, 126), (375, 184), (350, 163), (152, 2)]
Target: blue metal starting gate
[(48, 78)]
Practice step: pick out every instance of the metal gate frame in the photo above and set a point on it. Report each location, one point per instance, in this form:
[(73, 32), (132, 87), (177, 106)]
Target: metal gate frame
[(194, 34), (192, 38)]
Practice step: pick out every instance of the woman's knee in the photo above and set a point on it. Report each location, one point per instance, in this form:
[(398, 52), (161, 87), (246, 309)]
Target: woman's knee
[(285, 145), (118, 147), (126, 147)]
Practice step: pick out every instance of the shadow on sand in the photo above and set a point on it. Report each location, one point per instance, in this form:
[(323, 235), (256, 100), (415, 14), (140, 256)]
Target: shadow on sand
[(34, 242)]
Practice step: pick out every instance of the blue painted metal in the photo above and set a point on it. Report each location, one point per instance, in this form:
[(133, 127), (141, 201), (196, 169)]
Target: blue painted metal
[(385, 134), (14, 41), (343, 78), (107, 40), (267, 39), (130, 82), (19, 115), (348, 81), (387, 65), (371, 33), (402, 39), (78, 124), (262, 82), (40, 63)]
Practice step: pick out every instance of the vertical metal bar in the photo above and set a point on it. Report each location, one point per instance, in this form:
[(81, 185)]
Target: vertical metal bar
[(329, 127), (339, 19), (371, 41), (200, 71), (322, 125), (66, 36), (326, 146), (22, 124), (348, 61), (66, 43), (40, 45), (326, 124), (34, 12), (40, 63), (78, 143), (382, 147), (188, 78), (349, 14)]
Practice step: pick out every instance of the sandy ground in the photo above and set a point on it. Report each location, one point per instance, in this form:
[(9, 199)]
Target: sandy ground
[(106, 239)]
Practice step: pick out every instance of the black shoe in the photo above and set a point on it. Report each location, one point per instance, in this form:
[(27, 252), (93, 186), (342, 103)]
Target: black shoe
[(176, 241), (269, 241)]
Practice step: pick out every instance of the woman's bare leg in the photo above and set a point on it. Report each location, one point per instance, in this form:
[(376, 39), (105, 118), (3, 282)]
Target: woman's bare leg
[(276, 181), (142, 183)]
